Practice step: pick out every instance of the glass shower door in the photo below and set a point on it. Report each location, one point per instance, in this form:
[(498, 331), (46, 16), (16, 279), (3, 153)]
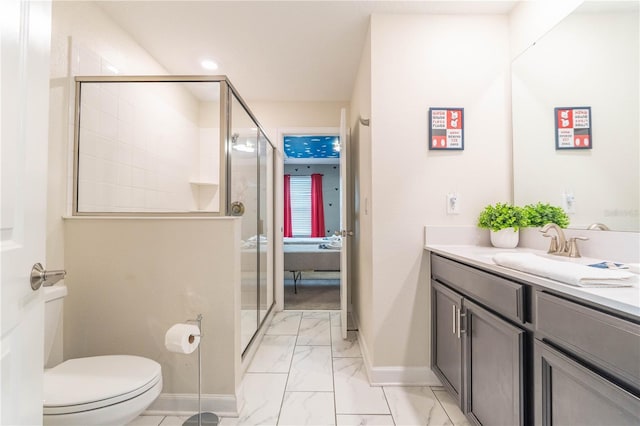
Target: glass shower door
[(244, 202), (265, 224), (250, 195)]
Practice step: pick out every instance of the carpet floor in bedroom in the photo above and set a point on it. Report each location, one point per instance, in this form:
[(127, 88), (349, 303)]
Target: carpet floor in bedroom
[(316, 290)]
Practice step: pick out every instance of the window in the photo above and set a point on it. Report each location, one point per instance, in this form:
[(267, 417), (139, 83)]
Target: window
[(300, 192)]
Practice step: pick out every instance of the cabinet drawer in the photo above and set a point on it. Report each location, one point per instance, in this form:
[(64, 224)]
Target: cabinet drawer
[(607, 341), (503, 296), (567, 393)]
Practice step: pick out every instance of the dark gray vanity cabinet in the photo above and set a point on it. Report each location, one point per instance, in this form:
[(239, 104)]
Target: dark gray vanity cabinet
[(478, 355), (447, 348), (494, 362), (514, 352), (586, 365), (568, 393)]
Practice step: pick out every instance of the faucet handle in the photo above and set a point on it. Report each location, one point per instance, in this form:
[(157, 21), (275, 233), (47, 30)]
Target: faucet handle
[(553, 246), (572, 246)]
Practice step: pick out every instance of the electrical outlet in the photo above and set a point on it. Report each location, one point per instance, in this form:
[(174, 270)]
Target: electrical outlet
[(453, 203), (569, 202)]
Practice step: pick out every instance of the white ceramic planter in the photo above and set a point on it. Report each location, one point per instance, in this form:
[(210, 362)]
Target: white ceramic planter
[(505, 238)]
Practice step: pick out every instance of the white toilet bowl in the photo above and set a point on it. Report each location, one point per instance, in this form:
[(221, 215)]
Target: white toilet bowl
[(100, 390)]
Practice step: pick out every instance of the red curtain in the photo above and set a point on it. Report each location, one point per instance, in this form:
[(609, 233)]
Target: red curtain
[(317, 207), (288, 228)]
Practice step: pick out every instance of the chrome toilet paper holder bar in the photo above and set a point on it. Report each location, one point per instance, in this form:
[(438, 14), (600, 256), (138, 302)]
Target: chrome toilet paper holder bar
[(198, 321), (206, 418)]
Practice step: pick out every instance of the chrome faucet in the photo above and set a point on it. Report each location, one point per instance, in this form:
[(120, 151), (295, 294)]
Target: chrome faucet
[(559, 245), (599, 226)]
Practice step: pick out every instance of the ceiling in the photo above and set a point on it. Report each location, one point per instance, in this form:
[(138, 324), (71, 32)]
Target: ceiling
[(270, 50), (313, 146)]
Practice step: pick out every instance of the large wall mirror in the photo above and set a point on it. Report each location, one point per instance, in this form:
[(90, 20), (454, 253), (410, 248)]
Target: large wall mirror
[(588, 59)]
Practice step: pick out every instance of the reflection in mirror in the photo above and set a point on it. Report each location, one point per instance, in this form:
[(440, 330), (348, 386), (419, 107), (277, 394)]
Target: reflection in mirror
[(589, 59)]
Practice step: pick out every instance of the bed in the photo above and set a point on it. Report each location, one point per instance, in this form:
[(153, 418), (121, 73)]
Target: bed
[(307, 240), (309, 257)]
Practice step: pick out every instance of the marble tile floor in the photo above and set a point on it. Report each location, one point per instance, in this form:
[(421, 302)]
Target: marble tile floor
[(304, 373)]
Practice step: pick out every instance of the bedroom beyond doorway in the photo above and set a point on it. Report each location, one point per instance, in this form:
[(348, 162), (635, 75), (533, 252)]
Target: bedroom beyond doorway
[(312, 241)]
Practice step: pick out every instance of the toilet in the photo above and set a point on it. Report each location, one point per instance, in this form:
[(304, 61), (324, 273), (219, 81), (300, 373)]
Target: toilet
[(99, 390)]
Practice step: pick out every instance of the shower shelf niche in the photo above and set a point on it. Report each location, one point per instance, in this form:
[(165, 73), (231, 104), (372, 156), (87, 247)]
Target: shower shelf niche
[(206, 195), (202, 183)]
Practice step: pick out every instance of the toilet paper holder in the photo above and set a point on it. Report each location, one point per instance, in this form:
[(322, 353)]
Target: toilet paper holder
[(206, 418), (198, 321)]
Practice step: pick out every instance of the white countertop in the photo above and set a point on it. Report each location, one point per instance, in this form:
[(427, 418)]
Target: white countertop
[(624, 299)]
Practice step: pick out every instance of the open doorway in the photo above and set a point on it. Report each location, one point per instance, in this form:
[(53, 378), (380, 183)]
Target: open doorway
[(312, 239)]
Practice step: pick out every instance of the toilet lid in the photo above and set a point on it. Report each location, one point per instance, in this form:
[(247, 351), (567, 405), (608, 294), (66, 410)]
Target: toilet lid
[(88, 383)]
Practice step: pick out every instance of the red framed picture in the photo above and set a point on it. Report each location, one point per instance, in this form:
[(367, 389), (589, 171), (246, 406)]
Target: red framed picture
[(573, 128), (446, 128)]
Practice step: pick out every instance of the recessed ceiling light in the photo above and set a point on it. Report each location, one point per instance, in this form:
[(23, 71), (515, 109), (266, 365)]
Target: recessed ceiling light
[(208, 64)]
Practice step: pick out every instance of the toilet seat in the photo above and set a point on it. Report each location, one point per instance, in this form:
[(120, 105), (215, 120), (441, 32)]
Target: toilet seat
[(85, 384)]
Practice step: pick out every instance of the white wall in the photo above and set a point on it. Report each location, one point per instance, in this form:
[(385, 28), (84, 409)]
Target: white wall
[(530, 20), (419, 62), (274, 115), (361, 267)]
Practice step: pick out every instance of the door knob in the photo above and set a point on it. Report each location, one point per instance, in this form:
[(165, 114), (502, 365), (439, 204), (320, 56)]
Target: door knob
[(40, 276)]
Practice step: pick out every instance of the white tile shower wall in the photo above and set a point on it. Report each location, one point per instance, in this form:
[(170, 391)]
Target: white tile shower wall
[(138, 148), (208, 169), (82, 61)]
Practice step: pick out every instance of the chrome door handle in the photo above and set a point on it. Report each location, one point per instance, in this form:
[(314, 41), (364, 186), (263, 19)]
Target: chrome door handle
[(40, 276)]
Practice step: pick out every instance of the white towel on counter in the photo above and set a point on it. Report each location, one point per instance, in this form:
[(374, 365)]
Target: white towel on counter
[(566, 272)]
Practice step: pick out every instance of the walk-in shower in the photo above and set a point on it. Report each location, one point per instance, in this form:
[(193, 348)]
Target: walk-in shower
[(179, 146)]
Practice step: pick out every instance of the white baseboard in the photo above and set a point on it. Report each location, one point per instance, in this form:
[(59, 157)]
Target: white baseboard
[(395, 376), (185, 404), (403, 376)]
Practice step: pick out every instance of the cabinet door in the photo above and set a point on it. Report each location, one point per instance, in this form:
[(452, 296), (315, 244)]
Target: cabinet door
[(567, 393), (446, 356), (494, 352)]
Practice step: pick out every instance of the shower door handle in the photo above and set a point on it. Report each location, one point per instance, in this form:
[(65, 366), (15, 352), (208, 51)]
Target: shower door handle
[(237, 208)]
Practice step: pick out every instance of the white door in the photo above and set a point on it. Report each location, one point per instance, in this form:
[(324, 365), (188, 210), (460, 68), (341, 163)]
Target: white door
[(344, 220), (24, 85)]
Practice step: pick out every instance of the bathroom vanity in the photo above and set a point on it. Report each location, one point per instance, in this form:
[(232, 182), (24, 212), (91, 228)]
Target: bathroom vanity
[(517, 349)]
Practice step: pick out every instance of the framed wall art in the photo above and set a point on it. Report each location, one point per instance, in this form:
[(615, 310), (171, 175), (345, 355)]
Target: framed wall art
[(573, 128), (446, 128)]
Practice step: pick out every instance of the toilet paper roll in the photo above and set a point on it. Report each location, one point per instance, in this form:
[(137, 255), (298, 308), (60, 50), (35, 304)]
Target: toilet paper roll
[(182, 338)]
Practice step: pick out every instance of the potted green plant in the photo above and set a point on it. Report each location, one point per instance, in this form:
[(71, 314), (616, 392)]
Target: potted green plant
[(540, 214), (504, 222)]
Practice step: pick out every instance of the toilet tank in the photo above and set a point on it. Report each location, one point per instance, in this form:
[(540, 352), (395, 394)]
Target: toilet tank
[(53, 304)]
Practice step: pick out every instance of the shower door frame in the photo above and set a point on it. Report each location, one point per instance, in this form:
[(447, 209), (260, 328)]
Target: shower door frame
[(225, 87)]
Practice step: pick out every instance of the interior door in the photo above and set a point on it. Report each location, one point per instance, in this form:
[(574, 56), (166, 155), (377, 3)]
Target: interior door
[(344, 220), (24, 61)]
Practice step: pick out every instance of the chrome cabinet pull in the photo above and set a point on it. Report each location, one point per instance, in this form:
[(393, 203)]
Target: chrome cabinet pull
[(459, 329), (453, 319)]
